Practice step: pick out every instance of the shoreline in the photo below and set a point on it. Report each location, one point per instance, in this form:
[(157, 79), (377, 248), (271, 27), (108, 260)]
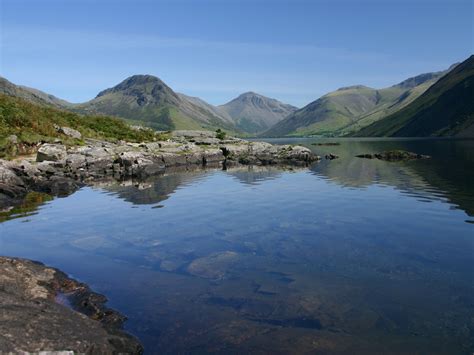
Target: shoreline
[(57, 313), (59, 170)]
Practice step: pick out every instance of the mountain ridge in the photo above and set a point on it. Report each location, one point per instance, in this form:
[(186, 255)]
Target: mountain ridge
[(254, 113), (350, 108), (445, 109)]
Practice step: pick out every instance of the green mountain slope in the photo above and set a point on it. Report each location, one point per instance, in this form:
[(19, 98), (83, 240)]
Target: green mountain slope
[(351, 108), (32, 95), (145, 99), (254, 113), (445, 109)]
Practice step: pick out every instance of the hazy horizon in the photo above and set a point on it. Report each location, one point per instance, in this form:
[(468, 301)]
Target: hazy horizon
[(292, 51)]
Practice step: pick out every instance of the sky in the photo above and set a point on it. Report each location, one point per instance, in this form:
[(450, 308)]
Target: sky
[(293, 50)]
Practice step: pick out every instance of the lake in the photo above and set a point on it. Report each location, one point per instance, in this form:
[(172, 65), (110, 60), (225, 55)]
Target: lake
[(350, 255)]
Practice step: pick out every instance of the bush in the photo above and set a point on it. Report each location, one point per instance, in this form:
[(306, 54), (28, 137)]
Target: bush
[(220, 134)]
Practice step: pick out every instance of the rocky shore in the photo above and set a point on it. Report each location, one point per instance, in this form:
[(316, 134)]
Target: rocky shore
[(43, 310), (57, 169)]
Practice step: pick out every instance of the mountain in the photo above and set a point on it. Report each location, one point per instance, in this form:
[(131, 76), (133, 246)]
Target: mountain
[(145, 99), (32, 95), (208, 107), (349, 109), (445, 109), (253, 113)]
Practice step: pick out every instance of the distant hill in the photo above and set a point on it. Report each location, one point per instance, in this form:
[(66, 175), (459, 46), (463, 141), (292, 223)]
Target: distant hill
[(254, 113), (351, 108), (207, 107), (445, 109), (145, 99), (32, 95)]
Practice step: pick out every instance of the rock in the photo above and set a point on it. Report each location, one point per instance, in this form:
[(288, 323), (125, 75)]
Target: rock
[(193, 134), (140, 164), (12, 139), (70, 132), (61, 170), (214, 266), (367, 156), (11, 186), (76, 161), (328, 144), (394, 155), (206, 141), (32, 321), (51, 152), (331, 156)]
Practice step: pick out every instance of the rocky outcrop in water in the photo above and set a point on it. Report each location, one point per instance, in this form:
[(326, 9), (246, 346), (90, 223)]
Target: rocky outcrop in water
[(58, 169), (394, 155), (42, 310)]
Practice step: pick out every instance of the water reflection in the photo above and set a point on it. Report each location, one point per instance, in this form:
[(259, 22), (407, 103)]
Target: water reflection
[(344, 258), (449, 174)]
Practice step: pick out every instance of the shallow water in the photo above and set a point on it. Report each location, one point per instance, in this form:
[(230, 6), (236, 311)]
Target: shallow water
[(348, 256)]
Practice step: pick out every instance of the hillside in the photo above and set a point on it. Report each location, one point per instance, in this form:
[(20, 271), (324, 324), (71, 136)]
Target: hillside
[(145, 99), (254, 113), (351, 108), (32, 123), (445, 109), (32, 95)]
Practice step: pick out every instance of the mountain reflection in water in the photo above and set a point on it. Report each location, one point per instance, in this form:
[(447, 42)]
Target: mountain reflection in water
[(349, 256)]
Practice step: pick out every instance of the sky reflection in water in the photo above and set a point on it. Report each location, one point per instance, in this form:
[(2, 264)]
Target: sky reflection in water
[(351, 255)]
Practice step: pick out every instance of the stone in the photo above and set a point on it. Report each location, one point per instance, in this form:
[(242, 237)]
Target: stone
[(28, 302), (331, 156), (51, 152), (70, 132), (394, 155)]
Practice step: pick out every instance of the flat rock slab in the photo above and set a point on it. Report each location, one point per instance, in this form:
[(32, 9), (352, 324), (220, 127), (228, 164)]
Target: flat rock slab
[(32, 321)]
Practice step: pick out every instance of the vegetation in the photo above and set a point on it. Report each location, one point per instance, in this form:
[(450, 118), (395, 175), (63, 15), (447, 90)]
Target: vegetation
[(445, 109), (220, 134), (27, 207), (351, 108), (31, 124)]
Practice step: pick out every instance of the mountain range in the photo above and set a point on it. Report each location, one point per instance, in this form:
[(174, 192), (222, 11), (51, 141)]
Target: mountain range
[(445, 109), (438, 103), (351, 108)]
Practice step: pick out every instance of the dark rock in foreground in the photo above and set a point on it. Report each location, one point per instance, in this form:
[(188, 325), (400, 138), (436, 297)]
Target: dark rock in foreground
[(32, 319), (394, 155)]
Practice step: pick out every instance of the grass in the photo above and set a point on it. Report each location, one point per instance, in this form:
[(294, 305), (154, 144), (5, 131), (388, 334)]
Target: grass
[(445, 109), (32, 124)]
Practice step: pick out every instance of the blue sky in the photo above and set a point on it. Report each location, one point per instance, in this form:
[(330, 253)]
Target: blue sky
[(292, 50)]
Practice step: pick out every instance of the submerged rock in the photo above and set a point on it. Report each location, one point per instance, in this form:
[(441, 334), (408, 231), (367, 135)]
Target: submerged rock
[(213, 266), (32, 320), (394, 155)]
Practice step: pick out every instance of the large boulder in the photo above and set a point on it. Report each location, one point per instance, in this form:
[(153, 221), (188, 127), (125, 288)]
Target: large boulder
[(70, 132), (51, 152), (11, 185)]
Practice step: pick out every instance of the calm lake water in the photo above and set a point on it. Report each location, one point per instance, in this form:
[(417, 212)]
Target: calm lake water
[(351, 256)]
